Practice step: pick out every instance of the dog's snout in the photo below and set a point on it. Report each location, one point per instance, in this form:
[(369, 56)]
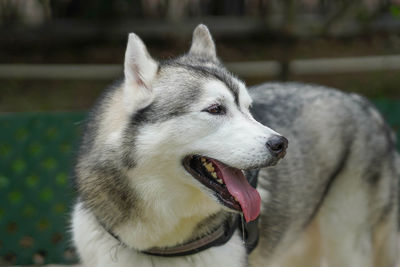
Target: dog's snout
[(277, 145)]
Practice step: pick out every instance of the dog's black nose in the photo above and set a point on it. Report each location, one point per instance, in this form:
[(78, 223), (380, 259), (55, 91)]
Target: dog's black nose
[(277, 145)]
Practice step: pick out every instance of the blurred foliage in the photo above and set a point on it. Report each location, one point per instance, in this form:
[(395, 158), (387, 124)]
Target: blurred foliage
[(395, 11), (281, 15)]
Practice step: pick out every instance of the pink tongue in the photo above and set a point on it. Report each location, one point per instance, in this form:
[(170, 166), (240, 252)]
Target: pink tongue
[(248, 197)]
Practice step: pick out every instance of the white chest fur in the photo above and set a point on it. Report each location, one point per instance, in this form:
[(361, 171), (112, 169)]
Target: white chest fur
[(98, 249)]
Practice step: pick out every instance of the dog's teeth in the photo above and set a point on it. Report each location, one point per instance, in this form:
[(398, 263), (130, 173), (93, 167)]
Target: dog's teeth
[(236, 199), (214, 175), (220, 181), (209, 167)]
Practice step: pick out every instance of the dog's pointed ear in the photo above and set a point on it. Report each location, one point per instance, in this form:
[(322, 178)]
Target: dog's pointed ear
[(203, 44), (139, 70)]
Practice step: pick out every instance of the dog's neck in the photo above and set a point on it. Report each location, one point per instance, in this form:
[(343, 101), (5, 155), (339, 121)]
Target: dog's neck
[(168, 213), (220, 236), (146, 235), (100, 248)]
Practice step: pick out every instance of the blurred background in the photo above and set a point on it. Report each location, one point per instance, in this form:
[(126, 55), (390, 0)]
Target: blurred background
[(57, 56)]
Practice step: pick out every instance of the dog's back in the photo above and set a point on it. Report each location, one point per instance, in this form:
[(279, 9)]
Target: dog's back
[(343, 152)]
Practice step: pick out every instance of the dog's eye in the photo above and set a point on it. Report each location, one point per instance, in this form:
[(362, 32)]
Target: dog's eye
[(215, 109)]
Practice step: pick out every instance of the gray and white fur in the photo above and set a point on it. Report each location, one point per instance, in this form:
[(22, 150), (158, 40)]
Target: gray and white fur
[(332, 201)]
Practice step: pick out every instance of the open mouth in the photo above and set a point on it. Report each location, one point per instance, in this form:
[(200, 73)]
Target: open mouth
[(228, 183)]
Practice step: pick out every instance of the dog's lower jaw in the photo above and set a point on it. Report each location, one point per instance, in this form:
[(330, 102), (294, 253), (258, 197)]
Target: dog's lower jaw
[(99, 248)]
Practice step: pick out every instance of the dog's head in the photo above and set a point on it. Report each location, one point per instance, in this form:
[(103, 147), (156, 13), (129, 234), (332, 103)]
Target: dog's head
[(190, 127)]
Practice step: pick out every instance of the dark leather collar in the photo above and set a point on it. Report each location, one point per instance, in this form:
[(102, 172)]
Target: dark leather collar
[(217, 238)]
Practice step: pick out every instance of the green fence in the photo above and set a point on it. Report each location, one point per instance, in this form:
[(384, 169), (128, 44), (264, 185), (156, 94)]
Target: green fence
[(36, 151)]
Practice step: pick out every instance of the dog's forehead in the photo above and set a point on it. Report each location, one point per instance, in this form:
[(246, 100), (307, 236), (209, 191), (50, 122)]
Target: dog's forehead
[(199, 79), (217, 89)]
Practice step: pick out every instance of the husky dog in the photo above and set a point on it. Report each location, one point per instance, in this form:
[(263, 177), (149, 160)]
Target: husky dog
[(163, 161)]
